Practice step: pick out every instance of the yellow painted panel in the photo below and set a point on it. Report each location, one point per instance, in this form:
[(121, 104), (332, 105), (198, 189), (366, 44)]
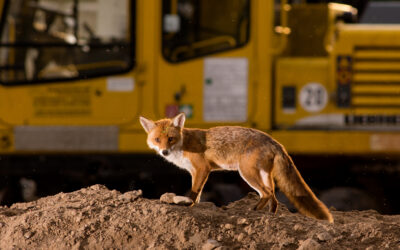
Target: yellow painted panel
[(376, 100), (376, 77), (376, 66), (374, 111), (376, 89), (385, 54), (88, 102), (297, 72), (134, 141)]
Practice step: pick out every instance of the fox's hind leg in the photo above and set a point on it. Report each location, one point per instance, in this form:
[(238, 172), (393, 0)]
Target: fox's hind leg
[(268, 181), (261, 181)]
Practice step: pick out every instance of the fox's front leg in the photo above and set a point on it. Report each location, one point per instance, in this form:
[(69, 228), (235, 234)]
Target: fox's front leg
[(199, 174)]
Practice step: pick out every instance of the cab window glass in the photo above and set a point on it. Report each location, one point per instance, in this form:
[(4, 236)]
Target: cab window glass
[(49, 40), (192, 28)]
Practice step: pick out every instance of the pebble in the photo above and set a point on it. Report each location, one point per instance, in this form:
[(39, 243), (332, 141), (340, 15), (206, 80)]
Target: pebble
[(228, 226), (242, 221), (298, 227), (324, 236), (167, 198), (28, 234), (210, 244), (248, 230), (131, 196), (97, 187), (309, 244), (182, 200), (240, 237)]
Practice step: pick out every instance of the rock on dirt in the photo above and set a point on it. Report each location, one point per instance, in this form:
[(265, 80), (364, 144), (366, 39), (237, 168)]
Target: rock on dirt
[(182, 200), (172, 198), (97, 218), (309, 244)]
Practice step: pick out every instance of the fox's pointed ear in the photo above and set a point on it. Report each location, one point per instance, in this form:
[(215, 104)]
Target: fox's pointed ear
[(179, 120), (147, 124)]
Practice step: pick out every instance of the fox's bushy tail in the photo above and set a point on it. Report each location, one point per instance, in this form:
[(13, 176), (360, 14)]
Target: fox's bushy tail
[(296, 189)]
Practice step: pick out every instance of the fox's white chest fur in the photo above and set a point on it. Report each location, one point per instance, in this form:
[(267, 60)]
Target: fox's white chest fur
[(177, 158)]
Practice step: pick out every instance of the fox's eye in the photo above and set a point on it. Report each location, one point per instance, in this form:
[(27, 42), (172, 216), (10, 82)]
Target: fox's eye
[(157, 140), (170, 139)]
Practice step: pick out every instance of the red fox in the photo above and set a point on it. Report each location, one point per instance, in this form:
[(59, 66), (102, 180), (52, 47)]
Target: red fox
[(257, 157)]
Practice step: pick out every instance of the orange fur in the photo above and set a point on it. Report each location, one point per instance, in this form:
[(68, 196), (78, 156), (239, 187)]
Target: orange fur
[(257, 157)]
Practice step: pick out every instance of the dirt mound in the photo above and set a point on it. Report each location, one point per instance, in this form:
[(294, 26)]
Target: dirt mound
[(95, 217)]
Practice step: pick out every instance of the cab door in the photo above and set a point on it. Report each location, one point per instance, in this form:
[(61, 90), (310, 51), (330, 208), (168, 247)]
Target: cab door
[(206, 62)]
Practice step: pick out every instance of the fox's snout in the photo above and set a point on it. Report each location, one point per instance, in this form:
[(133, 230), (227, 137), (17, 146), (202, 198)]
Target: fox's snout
[(165, 152)]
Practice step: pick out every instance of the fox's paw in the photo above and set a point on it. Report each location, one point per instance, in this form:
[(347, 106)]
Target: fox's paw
[(261, 204), (271, 202), (273, 205)]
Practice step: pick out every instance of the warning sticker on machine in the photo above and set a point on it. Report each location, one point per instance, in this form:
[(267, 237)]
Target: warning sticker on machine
[(225, 89)]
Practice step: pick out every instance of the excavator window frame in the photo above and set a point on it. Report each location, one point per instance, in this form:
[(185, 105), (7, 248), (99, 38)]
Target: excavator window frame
[(198, 48), (130, 45)]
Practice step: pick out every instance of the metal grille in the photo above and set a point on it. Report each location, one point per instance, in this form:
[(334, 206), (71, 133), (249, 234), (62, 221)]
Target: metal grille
[(376, 78)]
